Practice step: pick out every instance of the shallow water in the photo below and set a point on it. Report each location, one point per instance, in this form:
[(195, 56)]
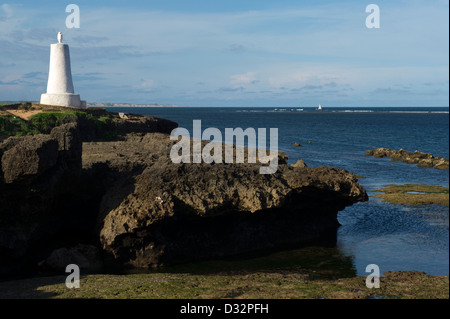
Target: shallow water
[(395, 237)]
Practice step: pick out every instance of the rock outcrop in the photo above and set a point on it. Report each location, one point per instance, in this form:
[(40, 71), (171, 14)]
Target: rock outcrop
[(171, 213), (87, 257), (420, 158), (47, 201), (39, 182), (127, 198), (300, 163), (114, 126), (25, 159)]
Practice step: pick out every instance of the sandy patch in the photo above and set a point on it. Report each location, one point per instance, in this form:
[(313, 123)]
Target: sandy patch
[(25, 115)]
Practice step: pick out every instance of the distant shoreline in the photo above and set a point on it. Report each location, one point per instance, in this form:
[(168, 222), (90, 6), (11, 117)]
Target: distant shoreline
[(103, 105), (349, 109)]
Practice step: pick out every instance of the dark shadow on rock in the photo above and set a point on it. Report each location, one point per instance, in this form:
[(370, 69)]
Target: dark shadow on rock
[(316, 260), (28, 288)]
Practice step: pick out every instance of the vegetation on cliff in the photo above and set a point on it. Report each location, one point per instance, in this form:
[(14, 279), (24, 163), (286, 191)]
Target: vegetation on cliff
[(11, 125), (43, 122)]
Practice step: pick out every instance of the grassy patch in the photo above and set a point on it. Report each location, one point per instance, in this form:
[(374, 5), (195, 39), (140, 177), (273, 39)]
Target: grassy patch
[(253, 285), (41, 123), (14, 126), (413, 194), (306, 273), (44, 122)]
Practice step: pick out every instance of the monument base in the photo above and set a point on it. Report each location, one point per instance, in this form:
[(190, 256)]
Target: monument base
[(64, 99)]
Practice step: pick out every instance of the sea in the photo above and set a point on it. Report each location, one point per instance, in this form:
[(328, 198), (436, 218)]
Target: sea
[(393, 237)]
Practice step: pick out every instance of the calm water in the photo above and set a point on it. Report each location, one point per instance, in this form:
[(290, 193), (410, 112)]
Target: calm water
[(395, 237)]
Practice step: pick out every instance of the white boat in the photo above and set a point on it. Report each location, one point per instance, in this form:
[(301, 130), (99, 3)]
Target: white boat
[(319, 108)]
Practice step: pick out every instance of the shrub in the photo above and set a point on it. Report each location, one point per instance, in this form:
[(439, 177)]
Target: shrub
[(43, 123), (46, 121), (15, 126)]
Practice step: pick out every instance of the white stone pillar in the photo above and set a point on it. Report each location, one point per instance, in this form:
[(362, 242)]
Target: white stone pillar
[(60, 91)]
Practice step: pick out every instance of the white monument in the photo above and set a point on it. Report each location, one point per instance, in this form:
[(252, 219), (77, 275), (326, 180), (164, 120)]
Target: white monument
[(60, 90)]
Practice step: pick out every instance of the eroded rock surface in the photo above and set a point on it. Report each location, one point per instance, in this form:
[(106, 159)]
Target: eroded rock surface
[(167, 213), (420, 158)]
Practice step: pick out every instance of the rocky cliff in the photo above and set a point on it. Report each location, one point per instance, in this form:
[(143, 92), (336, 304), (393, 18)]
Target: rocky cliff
[(166, 213), (126, 198), (39, 183)]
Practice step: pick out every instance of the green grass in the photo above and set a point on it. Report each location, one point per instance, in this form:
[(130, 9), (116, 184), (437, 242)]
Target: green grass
[(306, 273), (46, 121), (414, 194), (14, 126), (43, 123), (245, 285)]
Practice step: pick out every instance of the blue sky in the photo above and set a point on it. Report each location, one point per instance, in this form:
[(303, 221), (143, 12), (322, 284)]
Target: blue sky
[(233, 53)]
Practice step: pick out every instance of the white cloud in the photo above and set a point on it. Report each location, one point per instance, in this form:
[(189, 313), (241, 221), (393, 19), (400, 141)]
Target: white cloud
[(147, 84), (6, 8), (240, 80)]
